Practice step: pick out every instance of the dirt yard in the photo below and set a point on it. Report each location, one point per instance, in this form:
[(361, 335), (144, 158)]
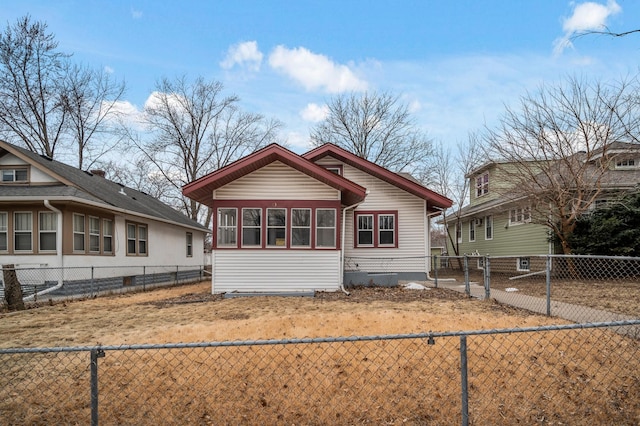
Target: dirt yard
[(582, 377)]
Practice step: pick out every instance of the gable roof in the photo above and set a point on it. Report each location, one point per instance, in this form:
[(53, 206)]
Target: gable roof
[(88, 188), (201, 190), (396, 179)]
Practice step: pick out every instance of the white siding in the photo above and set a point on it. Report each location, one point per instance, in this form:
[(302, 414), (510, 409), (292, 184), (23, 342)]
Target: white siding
[(276, 181), (410, 256), (275, 270)]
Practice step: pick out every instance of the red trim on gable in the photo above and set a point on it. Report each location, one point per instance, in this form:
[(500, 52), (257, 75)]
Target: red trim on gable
[(201, 190), (328, 149)]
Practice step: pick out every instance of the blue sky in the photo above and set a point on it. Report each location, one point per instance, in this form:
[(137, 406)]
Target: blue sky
[(456, 63)]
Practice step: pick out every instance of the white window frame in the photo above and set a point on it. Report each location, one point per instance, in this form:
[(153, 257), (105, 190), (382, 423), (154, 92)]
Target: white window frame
[(143, 241), (227, 228), (322, 228), (42, 231), (488, 227), (189, 243), (78, 232), (94, 233), (107, 235), (372, 230), (482, 184), (380, 229), (28, 231), (4, 230), (519, 215), (13, 175), (458, 229), (301, 227), (472, 230), (276, 227), (627, 163), (252, 227)]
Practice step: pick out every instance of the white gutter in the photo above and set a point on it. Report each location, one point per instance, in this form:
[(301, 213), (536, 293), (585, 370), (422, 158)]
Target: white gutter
[(427, 230), (344, 222), (58, 253)]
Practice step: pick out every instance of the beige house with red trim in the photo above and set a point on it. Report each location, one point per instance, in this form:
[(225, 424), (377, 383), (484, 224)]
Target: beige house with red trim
[(285, 222)]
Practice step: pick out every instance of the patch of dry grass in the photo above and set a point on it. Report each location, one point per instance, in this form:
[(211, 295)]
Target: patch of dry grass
[(570, 377)]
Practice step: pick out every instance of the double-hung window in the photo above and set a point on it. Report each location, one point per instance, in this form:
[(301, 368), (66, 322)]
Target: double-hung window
[(326, 228), (227, 227), (23, 231), (47, 229), (136, 239), (189, 244), (4, 231), (301, 227), (482, 185), (107, 235), (519, 215), (376, 229), (472, 230), (94, 234), (251, 227), (276, 227), (78, 232), (488, 228)]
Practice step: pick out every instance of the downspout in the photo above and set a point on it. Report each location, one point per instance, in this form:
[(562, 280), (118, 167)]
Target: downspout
[(427, 230), (58, 253), (342, 233)]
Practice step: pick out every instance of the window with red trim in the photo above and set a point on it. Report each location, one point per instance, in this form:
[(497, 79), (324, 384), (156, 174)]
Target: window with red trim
[(376, 229)]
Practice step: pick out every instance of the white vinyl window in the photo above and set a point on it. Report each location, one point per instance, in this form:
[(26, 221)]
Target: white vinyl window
[(276, 227), (301, 227), (107, 235), (386, 230), (519, 215), (365, 230), (4, 231), (472, 230), (482, 185), (488, 228), (78, 232), (15, 175), (189, 244), (142, 240), (227, 227), (94, 234), (136, 239), (47, 230), (326, 228), (23, 231), (251, 227)]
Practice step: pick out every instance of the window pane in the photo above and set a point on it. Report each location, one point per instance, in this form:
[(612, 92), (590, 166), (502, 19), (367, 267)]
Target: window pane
[(78, 223), (23, 241), (78, 242), (131, 231), (301, 227), (227, 226), (251, 236), (386, 227), (3, 221), (94, 243), (326, 238), (251, 217), (107, 232), (21, 175), (276, 227), (386, 237), (143, 247), (7, 175), (107, 242), (23, 222), (94, 225), (251, 227), (327, 218), (142, 232), (365, 222), (3, 241), (300, 217), (47, 241), (365, 230), (276, 217), (276, 237), (189, 244), (48, 221), (365, 237), (301, 237), (131, 246)]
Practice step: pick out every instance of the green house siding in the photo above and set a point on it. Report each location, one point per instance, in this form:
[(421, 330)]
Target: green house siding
[(508, 240)]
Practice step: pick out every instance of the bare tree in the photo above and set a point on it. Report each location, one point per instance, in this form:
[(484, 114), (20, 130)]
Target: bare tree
[(89, 97), (31, 72), (377, 127), (555, 149), (196, 130), (451, 179)]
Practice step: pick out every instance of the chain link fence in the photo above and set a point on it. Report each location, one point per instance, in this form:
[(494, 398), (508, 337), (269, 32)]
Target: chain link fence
[(44, 283), (577, 288), (570, 374)]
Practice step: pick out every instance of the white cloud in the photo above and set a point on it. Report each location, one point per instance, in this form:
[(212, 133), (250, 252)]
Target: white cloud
[(108, 69), (314, 71), (314, 112), (243, 54), (136, 14), (588, 16), (298, 141)]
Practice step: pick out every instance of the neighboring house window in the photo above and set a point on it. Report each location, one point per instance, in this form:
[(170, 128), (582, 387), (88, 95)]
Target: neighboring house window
[(334, 169), (136, 239), (488, 228), (47, 229), (376, 229), (365, 230), (189, 244), (23, 231), (4, 231), (523, 264), (251, 227), (459, 232), (301, 227), (481, 263), (107, 235), (629, 163), (78, 232), (326, 228), (227, 227), (276, 227), (519, 215), (94, 234), (472, 230), (482, 185), (15, 175)]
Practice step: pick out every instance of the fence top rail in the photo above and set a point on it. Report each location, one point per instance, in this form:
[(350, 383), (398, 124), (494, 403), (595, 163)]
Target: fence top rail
[(40, 268), (555, 256), (310, 340)]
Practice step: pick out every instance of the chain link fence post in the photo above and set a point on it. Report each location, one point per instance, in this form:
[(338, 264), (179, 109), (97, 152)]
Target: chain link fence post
[(464, 381), (95, 354), (487, 278), (548, 283), (435, 270), (144, 278), (93, 292), (467, 289)]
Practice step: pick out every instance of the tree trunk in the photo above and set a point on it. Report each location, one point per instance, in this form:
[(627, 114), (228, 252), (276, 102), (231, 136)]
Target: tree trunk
[(12, 289)]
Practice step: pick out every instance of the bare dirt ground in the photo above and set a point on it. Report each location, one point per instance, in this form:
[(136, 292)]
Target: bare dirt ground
[(582, 377)]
